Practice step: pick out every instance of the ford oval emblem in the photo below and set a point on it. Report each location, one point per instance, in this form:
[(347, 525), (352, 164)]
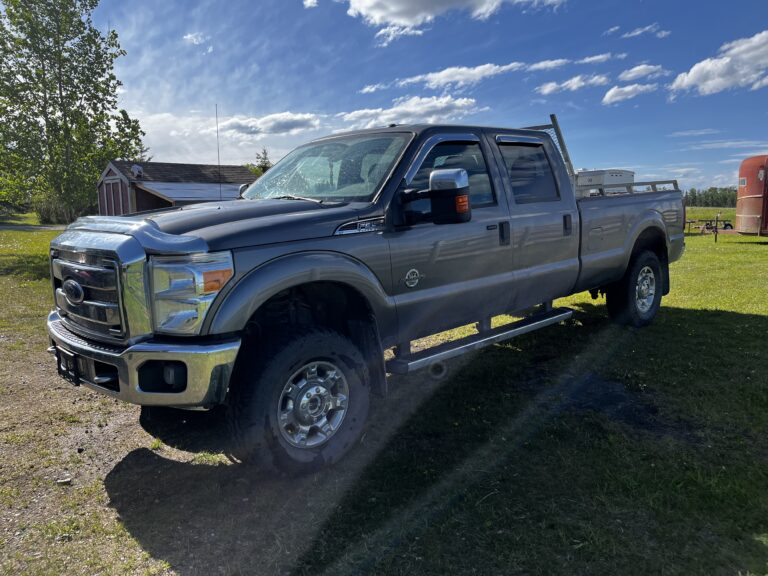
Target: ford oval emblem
[(73, 292)]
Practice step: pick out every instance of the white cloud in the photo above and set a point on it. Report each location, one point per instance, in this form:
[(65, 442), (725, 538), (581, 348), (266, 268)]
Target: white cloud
[(620, 93), (728, 145), (195, 38), (371, 88), (690, 133), (643, 71), (601, 58), (611, 30), (760, 83), (412, 109), (548, 64), (192, 137), (741, 63), (280, 123), (398, 18), (573, 84), (459, 76), (409, 13), (650, 29), (391, 33)]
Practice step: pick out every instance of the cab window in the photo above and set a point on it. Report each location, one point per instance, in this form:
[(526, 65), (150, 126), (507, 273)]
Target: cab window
[(530, 174), (468, 156)]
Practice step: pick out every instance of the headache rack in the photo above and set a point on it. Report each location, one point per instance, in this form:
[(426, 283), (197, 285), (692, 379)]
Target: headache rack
[(621, 188), (553, 129), (594, 190)]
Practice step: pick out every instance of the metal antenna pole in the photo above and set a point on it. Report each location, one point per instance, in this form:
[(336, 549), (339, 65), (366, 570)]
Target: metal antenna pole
[(218, 150)]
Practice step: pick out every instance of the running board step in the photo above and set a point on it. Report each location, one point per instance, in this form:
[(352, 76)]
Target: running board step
[(406, 364)]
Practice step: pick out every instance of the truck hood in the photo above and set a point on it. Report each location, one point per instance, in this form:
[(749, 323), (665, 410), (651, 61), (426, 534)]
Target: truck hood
[(227, 225)]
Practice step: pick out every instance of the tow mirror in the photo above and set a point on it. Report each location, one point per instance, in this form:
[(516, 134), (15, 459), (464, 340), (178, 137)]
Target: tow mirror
[(241, 191), (449, 196)]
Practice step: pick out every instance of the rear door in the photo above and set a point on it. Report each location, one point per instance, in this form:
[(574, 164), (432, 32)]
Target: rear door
[(448, 275), (544, 220)]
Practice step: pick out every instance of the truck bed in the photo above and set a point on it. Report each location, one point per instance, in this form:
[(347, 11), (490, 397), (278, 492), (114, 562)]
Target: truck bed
[(609, 226)]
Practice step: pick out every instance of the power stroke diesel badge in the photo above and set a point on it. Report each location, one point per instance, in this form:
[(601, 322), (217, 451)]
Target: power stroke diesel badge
[(412, 278)]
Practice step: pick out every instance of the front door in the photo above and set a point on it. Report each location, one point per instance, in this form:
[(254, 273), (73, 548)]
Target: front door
[(448, 275)]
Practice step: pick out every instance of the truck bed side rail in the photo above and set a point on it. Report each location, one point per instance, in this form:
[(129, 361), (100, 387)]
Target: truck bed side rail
[(589, 190)]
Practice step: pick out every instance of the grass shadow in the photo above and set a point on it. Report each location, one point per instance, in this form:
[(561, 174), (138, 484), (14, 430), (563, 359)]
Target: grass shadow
[(26, 266), (547, 454)]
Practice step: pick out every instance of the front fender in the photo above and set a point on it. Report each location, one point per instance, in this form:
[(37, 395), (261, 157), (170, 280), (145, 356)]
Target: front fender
[(274, 276)]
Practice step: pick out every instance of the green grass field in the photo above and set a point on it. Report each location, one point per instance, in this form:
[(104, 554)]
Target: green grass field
[(27, 219), (701, 213), (580, 449)]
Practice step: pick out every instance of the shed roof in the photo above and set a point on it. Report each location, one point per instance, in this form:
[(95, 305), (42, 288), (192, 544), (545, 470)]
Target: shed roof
[(191, 191), (198, 173)]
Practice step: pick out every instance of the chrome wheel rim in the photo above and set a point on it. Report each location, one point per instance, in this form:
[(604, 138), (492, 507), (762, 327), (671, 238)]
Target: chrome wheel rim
[(645, 291), (313, 404)]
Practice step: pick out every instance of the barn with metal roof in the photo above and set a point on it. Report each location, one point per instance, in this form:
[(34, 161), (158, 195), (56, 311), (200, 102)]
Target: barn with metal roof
[(127, 187)]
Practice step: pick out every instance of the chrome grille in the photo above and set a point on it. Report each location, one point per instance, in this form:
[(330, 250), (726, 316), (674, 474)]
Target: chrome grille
[(96, 311)]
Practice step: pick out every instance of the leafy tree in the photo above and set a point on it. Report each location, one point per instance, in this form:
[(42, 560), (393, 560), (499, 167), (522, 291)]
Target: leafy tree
[(262, 164), (712, 197), (258, 172), (262, 160), (58, 103)]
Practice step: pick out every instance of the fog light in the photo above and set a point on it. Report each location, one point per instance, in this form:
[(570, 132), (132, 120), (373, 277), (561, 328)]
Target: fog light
[(163, 376), (175, 374)]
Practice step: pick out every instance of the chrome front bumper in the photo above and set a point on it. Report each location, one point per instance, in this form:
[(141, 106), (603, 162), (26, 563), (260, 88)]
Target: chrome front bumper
[(115, 371)]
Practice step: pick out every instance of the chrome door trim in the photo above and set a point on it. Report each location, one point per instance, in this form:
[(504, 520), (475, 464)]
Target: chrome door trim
[(508, 139)]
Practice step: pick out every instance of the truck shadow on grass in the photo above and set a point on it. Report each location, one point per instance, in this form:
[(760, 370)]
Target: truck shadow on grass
[(585, 448)]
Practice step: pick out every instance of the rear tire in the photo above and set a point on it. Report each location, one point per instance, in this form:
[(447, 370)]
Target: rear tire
[(636, 298), (301, 404)]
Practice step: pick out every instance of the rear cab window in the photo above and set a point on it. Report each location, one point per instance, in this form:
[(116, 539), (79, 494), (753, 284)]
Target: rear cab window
[(529, 173)]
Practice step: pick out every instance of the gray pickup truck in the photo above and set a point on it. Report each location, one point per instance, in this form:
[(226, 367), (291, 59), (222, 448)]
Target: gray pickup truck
[(281, 305)]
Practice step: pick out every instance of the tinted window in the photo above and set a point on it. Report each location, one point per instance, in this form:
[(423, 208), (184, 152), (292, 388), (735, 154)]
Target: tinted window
[(456, 155), (530, 174)]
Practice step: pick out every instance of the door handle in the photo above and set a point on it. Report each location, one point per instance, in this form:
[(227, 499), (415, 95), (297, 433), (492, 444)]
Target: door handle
[(567, 224), (504, 236)]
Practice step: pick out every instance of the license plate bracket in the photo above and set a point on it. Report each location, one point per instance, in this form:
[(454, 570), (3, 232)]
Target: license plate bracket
[(68, 366)]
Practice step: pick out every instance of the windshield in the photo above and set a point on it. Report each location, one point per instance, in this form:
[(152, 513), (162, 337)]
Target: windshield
[(348, 168)]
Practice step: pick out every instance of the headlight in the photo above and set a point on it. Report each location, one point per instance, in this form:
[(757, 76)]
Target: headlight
[(183, 288)]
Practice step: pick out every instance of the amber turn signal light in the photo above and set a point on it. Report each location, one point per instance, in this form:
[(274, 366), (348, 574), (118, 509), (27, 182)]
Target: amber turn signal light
[(214, 280), (462, 204)]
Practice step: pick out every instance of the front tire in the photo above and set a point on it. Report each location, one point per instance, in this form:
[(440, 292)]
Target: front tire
[(300, 405), (636, 298)]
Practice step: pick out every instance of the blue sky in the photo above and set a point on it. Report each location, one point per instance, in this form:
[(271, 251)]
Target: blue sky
[(670, 89)]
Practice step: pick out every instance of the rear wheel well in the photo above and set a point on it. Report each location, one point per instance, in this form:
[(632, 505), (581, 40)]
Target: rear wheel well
[(655, 240), (331, 305)]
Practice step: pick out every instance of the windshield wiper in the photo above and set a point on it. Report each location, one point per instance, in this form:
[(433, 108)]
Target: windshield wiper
[(292, 197)]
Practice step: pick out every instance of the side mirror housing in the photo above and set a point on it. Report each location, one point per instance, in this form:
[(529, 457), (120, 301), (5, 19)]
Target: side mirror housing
[(243, 188), (449, 196)]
